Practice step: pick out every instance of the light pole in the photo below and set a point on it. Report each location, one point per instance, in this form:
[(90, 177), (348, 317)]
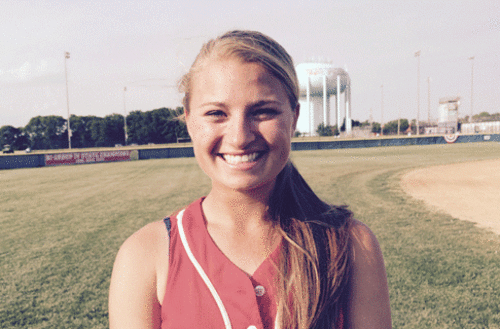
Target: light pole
[(399, 120), (428, 101), (382, 111), (471, 87), (125, 115), (417, 54), (66, 57)]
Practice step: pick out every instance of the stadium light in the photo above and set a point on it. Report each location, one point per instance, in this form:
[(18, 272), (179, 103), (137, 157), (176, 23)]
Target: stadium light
[(417, 54), (382, 110), (399, 120), (66, 57), (125, 115), (471, 87)]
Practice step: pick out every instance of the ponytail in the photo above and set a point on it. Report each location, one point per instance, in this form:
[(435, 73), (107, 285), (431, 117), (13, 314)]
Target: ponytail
[(314, 263)]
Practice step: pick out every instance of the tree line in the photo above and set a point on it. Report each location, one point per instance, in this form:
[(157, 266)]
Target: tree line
[(405, 126), (390, 128), (482, 117), (157, 126)]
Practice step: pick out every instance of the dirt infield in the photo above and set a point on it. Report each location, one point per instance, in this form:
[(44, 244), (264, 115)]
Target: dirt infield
[(468, 191)]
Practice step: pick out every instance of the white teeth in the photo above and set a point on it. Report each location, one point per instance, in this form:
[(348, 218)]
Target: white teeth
[(236, 159)]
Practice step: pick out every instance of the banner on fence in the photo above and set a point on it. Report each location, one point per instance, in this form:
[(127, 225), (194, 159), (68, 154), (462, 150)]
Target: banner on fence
[(89, 157)]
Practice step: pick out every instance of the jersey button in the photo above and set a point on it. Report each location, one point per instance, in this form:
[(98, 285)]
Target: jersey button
[(260, 291)]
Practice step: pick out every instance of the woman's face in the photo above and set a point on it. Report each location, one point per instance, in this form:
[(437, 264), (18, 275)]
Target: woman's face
[(241, 123)]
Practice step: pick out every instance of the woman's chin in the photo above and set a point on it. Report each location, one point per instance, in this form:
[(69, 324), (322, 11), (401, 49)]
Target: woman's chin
[(248, 186)]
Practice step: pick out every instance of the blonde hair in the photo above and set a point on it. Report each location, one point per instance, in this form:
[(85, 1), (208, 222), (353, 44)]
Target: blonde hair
[(314, 262), (249, 47)]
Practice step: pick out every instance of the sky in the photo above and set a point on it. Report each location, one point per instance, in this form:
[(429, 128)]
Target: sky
[(146, 46)]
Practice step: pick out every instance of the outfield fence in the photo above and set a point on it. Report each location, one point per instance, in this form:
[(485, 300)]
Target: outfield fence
[(68, 158)]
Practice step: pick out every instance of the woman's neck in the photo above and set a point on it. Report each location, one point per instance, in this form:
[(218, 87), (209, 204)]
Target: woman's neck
[(237, 209), (236, 221)]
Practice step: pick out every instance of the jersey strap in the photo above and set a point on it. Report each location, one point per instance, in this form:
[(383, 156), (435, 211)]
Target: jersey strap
[(168, 224)]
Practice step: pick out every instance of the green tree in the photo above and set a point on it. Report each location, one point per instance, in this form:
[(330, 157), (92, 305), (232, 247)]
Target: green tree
[(391, 127), (98, 132), (354, 123), (113, 130), (81, 131), (15, 137), (326, 130), (485, 117), (364, 124), (135, 127), (157, 126), (161, 127), (107, 131), (413, 126), (47, 132)]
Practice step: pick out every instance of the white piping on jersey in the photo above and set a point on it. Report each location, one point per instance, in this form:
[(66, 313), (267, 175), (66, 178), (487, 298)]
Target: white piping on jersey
[(202, 273)]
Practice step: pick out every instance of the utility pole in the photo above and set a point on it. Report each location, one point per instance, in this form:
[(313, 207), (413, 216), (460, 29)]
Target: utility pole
[(66, 57), (399, 120), (125, 115), (471, 88), (429, 100), (417, 54), (371, 119), (382, 111)]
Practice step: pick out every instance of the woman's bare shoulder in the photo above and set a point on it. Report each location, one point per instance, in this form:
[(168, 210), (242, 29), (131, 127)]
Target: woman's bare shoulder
[(369, 300), (145, 240), (366, 251), (145, 252), (363, 238), (134, 292)]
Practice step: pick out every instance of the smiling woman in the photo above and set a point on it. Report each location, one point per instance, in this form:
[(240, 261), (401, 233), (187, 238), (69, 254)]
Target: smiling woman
[(241, 124), (261, 250)]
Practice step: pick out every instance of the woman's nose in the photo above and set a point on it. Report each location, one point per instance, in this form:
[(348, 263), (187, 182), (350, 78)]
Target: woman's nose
[(240, 131)]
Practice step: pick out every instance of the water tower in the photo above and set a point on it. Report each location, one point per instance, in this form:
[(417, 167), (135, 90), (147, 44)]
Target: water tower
[(318, 81)]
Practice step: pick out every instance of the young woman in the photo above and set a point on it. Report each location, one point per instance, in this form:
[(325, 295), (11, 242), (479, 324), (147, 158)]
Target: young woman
[(261, 250)]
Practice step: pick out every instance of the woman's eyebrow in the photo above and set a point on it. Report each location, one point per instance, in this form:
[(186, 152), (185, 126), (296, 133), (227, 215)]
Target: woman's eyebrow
[(256, 104), (262, 103), (216, 104)]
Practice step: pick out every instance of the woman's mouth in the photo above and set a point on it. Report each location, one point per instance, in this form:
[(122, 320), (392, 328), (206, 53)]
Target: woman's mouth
[(242, 158)]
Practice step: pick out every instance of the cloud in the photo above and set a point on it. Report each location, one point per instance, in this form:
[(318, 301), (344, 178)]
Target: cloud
[(40, 72), (22, 73)]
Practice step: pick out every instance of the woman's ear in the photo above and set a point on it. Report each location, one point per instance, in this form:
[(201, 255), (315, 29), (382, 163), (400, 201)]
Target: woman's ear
[(185, 114), (296, 113), (185, 118)]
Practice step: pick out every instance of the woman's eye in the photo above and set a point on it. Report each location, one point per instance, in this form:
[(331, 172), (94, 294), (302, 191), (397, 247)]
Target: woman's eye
[(265, 113), (216, 114)]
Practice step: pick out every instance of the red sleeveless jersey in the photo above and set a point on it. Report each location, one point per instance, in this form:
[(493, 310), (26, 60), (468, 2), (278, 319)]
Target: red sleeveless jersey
[(206, 290), (247, 301)]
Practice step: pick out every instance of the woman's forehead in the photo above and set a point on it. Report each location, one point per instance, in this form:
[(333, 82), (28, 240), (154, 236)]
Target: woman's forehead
[(232, 75)]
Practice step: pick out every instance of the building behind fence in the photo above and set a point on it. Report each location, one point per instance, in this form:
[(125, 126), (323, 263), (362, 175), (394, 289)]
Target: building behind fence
[(492, 127)]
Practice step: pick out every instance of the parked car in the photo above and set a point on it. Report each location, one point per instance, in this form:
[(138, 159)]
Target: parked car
[(7, 149)]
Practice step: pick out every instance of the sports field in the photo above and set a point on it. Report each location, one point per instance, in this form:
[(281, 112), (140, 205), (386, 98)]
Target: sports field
[(469, 190), (60, 228)]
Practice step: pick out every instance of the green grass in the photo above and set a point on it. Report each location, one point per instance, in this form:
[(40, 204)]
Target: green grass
[(60, 228)]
